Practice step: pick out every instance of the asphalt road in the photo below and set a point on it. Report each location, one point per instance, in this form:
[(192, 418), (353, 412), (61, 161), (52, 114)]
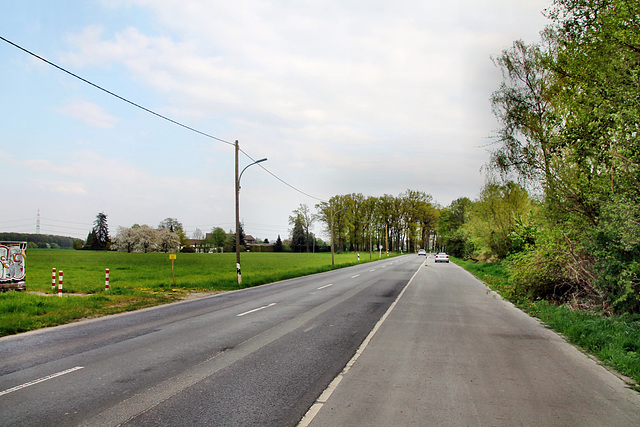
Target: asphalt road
[(452, 353), (260, 356)]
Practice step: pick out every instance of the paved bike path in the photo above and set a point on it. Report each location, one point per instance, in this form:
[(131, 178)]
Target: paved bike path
[(452, 353)]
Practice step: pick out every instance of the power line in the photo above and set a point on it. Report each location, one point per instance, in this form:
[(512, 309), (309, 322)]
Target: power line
[(64, 70), (114, 94), (280, 179)]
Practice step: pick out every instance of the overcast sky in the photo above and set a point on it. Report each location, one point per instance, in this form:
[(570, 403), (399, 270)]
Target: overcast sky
[(349, 96)]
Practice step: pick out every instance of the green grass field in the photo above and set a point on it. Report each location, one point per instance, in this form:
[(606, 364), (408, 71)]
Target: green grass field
[(139, 280)]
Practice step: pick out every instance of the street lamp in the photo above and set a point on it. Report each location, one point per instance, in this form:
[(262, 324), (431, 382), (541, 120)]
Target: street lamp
[(238, 176)]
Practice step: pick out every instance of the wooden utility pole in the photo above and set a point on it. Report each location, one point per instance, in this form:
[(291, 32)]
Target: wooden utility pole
[(386, 236), (238, 217), (331, 213)]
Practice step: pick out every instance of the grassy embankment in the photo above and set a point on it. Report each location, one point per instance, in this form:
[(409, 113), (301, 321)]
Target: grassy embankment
[(614, 340), (139, 281)]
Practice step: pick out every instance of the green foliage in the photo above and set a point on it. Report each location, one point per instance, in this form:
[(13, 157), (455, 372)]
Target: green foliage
[(569, 110), (302, 220), (278, 245), (298, 234), (38, 240), (218, 237), (499, 221), (174, 226), (617, 249), (539, 272), (98, 238), (450, 228), (359, 223)]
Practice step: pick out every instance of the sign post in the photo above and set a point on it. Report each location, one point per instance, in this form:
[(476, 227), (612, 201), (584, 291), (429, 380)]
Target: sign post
[(172, 257)]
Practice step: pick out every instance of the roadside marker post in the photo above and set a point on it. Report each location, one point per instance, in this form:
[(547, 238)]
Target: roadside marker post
[(53, 279), (106, 280), (60, 284)]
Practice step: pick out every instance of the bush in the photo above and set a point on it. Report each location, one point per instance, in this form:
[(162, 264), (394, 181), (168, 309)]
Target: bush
[(537, 274)]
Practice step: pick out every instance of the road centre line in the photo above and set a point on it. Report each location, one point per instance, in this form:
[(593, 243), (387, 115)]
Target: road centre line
[(30, 383), (256, 309), (353, 277), (325, 286)]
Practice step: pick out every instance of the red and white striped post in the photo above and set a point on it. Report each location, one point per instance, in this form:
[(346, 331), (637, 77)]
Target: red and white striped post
[(60, 284), (53, 279), (106, 280)]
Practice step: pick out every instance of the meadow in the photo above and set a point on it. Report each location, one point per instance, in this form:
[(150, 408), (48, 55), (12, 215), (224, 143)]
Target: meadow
[(139, 280)]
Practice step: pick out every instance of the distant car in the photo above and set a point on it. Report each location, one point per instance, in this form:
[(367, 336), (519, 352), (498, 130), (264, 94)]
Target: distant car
[(442, 257), (422, 252)]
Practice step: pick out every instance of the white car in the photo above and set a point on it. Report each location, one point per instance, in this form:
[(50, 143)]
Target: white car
[(422, 252), (442, 257)]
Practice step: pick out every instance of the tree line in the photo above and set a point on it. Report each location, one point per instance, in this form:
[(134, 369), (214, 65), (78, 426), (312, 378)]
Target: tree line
[(42, 240), (561, 203), (363, 223), (569, 114)]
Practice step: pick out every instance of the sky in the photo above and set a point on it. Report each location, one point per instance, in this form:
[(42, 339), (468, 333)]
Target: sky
[(341, 96)]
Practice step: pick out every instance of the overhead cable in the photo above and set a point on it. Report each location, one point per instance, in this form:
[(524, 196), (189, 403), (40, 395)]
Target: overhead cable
[(154, 113), (114, 94)]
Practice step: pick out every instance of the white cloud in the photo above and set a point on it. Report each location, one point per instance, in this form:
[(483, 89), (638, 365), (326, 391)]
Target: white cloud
[(91, 114), (341, 96)]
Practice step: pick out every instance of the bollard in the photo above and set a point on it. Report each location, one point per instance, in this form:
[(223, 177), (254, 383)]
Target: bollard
[(60, 284), (106, 280), (53, 279)]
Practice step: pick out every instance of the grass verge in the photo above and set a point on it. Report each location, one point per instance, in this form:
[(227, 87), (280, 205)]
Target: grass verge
[(614, 340)]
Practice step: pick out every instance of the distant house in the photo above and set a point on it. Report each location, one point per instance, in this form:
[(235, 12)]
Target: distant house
[(195, 242), (250, 240)]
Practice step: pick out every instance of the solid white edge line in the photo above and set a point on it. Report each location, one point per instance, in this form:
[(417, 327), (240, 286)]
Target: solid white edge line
[(39, 380), (319, 403)]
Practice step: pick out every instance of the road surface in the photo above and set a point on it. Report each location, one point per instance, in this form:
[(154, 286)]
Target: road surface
[(451, 353), (423, 344), (260, 356)]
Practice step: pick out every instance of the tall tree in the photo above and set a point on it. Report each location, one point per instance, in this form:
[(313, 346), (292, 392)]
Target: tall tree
[(218, 237), (569, 113), (198, 234), (98, 238), (278, 247), (305, 218), (450, 226), (298, 234), (175, 226)]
